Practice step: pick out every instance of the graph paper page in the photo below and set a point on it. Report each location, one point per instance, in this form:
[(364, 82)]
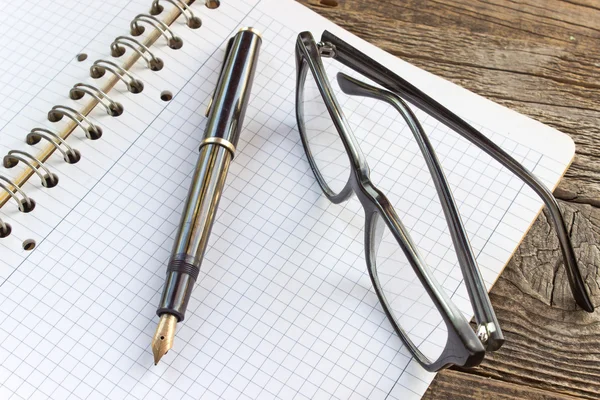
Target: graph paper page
[(283, 307)]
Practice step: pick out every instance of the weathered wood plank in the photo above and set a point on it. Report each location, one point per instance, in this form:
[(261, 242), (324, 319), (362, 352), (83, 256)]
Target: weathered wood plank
[(537, 269), (541, 58), (550, 344), (453, 385), (541, 19)]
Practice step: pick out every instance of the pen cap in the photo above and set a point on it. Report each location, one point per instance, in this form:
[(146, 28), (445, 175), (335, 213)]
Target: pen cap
[(228, 107)]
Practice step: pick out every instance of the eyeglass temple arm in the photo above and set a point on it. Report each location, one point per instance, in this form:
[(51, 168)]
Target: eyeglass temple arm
[(488, 329), (360, 62)]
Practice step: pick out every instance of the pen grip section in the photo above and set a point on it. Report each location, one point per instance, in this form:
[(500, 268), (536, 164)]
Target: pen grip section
[(181, 277)]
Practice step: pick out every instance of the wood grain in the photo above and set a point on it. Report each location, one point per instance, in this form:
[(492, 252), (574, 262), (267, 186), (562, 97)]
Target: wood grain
[(550, 344), (453, 385), (540, 58)]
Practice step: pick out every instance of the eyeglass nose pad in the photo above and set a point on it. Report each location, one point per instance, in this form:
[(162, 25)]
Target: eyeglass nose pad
[(354, 87)]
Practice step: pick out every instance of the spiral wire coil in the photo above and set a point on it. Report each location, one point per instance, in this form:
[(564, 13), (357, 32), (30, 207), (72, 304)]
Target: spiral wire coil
[(92, 131), (35, 164), (173, 41), (13, 157), (99, 68), (191, 20), (70, 155), (117, 49), (26, 204)]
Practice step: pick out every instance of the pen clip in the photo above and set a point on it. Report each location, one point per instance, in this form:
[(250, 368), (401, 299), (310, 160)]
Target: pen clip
[(227, 52)]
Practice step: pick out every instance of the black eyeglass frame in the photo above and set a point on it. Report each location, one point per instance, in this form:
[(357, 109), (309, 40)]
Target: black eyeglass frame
[(464, 347)]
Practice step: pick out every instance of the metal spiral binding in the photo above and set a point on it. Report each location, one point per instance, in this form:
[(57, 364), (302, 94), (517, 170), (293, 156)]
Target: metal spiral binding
[(173, 41), (5, 229), (92, 132), (154, 63), (80, 89), (13, 157), (98, 69), (27, 204), (70, 155), (192, 21)]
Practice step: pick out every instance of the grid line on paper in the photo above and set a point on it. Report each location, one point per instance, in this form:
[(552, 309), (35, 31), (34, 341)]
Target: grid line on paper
[(114, 282), (47, 231), (106, 14), (369, 112), (40, 218), (22, 81), (368, 108), (69, 26)]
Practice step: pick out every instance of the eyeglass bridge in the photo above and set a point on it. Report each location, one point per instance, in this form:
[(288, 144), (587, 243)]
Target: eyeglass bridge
[(326, 49)]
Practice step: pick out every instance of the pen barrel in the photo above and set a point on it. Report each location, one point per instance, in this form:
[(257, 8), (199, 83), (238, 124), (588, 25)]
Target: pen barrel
[(217, 149), (195, 227)]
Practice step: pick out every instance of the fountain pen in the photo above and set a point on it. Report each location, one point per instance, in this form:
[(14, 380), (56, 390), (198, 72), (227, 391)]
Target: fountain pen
[(225, 117)]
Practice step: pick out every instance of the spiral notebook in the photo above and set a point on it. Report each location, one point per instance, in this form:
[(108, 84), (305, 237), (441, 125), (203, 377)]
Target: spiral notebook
[(101, 112)]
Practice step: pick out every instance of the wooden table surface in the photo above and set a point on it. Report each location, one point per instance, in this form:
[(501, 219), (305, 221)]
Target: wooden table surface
[(540, 58)]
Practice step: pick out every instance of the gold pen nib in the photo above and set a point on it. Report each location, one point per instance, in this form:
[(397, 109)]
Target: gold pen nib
[(163, 338)]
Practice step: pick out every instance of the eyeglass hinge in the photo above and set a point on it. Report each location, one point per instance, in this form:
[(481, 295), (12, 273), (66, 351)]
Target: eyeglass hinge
[(326, 49), (484, 331)]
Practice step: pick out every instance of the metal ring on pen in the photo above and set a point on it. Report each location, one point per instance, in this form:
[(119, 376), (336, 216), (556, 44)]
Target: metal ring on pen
[(80, 89), (97, 70), (26, 204), (92, 131), (221, 142), (173, 41), (13, 157), (5, 229), (192, 21), (70, 155), (154, 63)]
